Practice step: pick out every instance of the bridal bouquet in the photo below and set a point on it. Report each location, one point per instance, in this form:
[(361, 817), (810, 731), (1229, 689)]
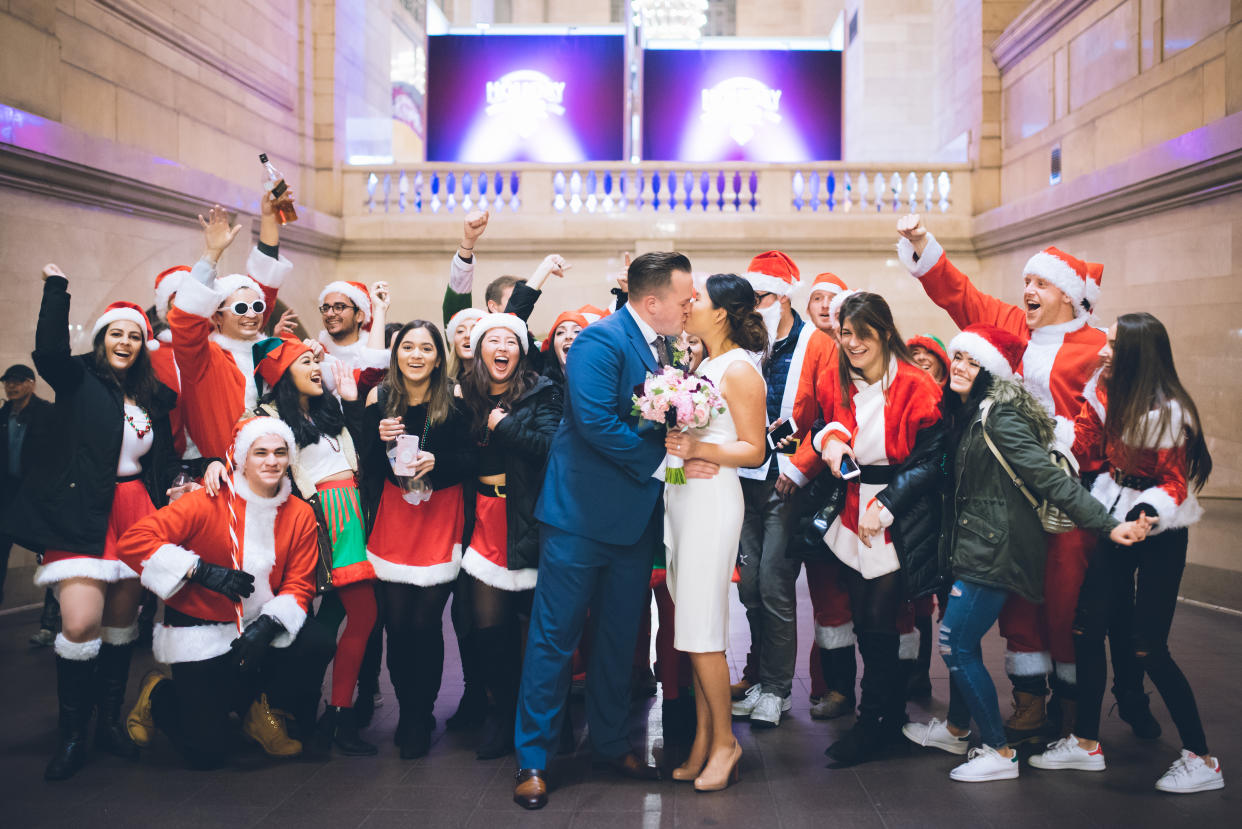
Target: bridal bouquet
[(679, 401)]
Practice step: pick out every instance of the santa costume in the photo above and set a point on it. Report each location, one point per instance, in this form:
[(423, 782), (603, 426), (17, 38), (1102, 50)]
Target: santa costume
[(1056, 365), (357, 357), (163, 359), (216, 370), (273, 539)]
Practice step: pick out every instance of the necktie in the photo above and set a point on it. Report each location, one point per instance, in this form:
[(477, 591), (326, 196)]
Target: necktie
[(663, 356)]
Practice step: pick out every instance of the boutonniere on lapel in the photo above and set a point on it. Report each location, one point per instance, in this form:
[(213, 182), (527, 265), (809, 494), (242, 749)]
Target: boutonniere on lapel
[(679, 402), (679, 351)]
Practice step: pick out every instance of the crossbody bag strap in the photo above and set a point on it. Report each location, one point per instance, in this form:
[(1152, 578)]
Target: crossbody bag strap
[(1014, 478)]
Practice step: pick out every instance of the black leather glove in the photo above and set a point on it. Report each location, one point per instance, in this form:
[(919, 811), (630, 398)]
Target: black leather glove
[(235, 585), (252, 645)]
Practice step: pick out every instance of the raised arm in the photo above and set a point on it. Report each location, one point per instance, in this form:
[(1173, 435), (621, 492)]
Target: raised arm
[(51, 356), (458, 296)]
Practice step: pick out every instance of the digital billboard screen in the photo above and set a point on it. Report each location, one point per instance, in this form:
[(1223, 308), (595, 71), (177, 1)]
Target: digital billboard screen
[(525, 97), (708, 105)]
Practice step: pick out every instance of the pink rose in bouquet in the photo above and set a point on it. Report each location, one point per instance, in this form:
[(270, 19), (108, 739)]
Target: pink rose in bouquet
[(678, 401)]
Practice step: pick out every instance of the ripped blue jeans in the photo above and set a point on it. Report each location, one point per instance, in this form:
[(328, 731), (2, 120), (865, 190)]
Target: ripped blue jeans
[(971, 612)]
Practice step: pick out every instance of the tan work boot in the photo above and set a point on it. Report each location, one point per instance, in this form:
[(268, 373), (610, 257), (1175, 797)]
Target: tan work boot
[(140, 725), (738, 689), (1027, 720), (831, 705), (266, 726)]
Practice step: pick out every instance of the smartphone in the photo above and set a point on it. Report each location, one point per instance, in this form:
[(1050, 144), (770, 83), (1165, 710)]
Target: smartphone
[(405, 455), (849, 469), (779, 431)]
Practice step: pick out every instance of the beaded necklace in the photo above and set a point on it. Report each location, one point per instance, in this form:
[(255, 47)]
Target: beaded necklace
[(140, 431)]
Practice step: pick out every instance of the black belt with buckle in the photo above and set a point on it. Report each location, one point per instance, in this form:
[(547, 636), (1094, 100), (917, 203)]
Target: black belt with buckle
[(1132, 481), (493, 490), (876, 474)]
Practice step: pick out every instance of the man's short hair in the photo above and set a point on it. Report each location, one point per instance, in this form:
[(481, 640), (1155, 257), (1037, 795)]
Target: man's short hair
[(652, 272), (497, 287)]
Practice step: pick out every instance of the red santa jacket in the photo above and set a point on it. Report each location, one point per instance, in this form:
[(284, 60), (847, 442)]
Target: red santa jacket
[(217, 372), (814, 391), (1059, 359), (279, 547), (1155, 474)]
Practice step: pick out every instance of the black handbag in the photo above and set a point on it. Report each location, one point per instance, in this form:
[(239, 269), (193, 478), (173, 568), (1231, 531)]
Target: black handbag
[(825, 496), (323, 566)]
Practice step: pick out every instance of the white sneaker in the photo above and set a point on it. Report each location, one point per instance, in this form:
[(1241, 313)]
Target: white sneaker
[(986, 764), (768, 709), (1066, 753), (1190, 773), (936, 734), (744, 706)]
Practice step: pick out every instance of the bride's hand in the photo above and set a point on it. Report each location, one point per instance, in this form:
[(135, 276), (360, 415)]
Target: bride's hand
[(680, 445)]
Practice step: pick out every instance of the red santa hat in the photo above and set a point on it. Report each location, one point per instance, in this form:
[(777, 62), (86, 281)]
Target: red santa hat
[(773, 272), (1065, 272), (592, 313), (167, 283), (834, 307), (992, 348), (829, 282), (357, 294), (274, 355), (933, 345), (490, 321), (118, 311), (466, 316), (566, 316), (226, 286), (247, 431), (1095, 276)]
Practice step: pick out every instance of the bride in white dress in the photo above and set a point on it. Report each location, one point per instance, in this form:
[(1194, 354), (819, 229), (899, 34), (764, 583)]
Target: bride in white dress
[(703, 517)]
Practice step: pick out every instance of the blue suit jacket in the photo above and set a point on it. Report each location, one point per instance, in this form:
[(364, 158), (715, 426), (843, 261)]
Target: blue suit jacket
[(599, 482)]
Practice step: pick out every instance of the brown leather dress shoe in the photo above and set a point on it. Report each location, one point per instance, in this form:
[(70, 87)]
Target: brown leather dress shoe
[(531, 791), (629, 765)]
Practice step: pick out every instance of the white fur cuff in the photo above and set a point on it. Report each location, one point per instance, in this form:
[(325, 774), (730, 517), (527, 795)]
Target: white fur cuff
[(268, 272), (838, 636), (197, 299), (423, 576), (76, 651), (286, 610), (834, 428), (908, 645), (119, 636), (1038, 663), (164, 571), (496, 576), (931, 255), (1067, 672)]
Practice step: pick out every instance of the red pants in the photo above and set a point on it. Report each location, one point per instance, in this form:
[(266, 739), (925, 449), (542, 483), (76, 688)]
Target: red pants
[(834, 621), (1034, 632)]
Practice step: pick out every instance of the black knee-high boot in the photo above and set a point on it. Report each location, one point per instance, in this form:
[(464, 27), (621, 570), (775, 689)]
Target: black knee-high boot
[(876, 709), (498, 661), (111, 677), (426, 660), (74, 686), (472, 710)]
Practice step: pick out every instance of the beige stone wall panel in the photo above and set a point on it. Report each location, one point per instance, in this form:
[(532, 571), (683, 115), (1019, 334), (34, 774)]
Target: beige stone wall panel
[(29, 59), (1105, 55), (1186, 22)]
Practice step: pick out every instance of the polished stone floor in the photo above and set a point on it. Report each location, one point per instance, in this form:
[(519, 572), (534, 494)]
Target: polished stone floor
[(784, 781)]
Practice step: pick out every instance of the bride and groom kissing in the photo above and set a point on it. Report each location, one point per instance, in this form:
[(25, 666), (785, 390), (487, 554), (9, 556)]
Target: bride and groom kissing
[(604, 510)]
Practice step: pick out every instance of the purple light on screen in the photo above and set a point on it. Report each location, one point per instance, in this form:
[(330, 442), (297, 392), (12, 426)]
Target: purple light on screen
[(741, 105), (543, 98)]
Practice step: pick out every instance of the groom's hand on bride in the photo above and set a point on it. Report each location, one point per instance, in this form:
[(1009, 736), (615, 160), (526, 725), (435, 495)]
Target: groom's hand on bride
[(699, 468)]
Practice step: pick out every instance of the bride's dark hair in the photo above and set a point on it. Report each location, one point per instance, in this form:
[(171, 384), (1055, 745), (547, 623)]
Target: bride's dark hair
[(736, 296)]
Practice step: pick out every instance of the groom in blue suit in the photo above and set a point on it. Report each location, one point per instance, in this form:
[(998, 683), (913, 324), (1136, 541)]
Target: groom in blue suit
[(602, 517)]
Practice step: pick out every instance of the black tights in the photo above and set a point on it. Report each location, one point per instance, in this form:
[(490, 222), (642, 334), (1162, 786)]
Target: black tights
[(500, 617), (875, 604), (413, 618), (1110, 586)]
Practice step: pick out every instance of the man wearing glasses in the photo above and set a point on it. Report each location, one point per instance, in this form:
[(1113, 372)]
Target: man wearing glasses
[(353, 328), (215, 322)]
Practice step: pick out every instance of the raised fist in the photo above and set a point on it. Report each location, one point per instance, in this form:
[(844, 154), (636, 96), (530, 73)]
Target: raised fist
[(473, 227)]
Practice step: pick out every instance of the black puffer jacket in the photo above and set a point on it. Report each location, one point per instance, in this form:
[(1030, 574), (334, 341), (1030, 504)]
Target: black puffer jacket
[(66, 497), (914, 497), (525, 435)]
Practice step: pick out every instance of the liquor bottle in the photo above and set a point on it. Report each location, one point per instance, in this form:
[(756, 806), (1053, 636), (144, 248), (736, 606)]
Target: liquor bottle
[(274, 182)]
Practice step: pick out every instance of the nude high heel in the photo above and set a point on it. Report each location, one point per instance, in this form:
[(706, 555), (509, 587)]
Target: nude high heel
[(733, 775)]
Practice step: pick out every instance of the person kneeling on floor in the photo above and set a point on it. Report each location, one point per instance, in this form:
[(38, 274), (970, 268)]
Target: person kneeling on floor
[(236, 572)]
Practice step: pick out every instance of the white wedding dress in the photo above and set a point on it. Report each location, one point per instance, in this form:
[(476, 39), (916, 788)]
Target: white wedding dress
[(702, 525)]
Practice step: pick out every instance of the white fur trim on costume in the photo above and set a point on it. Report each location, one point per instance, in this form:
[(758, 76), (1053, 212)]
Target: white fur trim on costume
[(833, 428), (908, 645), (766, 283), (1037, 663), (362, 300), (266, 270), (427, 576), (1061, 275), (490, 321), (252, 431), (834, 307), (164, 571), (496, 576), (119, 636), (226, 286), (76, 651), (1174, 435), (836, 636), (198, 299), (1067, 672), (196, 643), (461, 318), (1090, 393), (82, 567), (1063, 435), (286, 610), (790, 471), (931, 255), (355, 356), (129, 315), (982, 352), (1173, 516), (164, 291)]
